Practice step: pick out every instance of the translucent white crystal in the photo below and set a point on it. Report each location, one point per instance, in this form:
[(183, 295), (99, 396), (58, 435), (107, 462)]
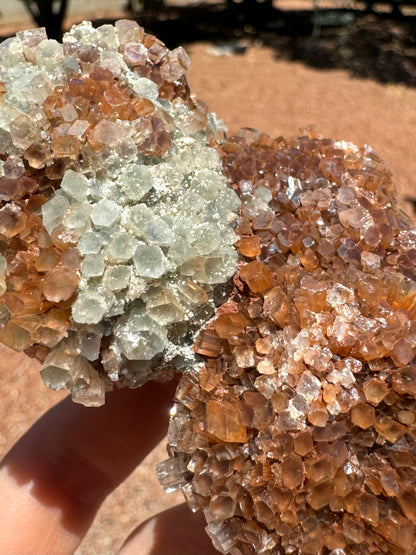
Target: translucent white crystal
[(158, 232), (49, 54), (92, 266), (179, 250), (309, 386), (77, 216), (136, 218), (105, 213), (24, 131), (117, 278), (28, 87), (89, 307), (139, 337), (136, 181), (200, 157), (144, 88), (90, 341), (164, 307), (83, 33), (70, 64), (121, 247), (149, 261), (90, 243), (11, 52), (205, 238), (227, 202), (263, 194), (75, 185), (53, 211), (216, 268), (207, 183), (64, 366), (107, 37)]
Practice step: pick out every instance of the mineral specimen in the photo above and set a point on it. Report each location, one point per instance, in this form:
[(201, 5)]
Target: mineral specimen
[(294, 427), (296, 433), (116, 221)]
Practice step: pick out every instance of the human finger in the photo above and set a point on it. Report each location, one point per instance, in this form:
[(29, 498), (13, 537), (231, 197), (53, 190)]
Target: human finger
[(53, 481), (176, 531)]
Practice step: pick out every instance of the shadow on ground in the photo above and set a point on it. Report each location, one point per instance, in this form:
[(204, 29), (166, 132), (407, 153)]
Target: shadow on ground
[(379, 46), (368, 45)]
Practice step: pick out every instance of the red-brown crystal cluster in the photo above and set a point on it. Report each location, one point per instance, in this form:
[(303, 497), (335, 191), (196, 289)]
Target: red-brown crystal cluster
[(297, 434)]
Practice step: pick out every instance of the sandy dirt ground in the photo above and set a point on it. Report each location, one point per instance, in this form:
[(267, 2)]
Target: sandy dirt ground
[(257, 90)]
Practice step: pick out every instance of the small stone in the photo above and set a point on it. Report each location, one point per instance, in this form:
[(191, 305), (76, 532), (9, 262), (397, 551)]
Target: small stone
[(53, 212), (90, 243), (24, 132), (137, 217), (49, 54), (106, 134), (208, 343), (205, 238), (229, 325), (139, 337), (266, 367), (309, 386), (158, 232)]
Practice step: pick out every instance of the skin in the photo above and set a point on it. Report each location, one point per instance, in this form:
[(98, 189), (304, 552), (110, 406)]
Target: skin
[(55, 478)]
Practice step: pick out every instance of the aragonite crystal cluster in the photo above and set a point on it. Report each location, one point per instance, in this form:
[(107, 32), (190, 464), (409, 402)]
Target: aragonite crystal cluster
[(116, 221), (124, 214), (296, 434)]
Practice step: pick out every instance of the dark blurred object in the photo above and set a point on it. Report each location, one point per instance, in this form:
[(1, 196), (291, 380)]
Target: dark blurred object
[(134, 7), (49, 14)]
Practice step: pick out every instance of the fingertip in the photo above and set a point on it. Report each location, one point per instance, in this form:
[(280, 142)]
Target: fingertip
[(60, 471), (176, 531)]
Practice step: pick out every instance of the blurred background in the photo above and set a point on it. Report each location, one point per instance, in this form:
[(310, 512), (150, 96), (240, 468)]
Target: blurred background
[(347, 67)]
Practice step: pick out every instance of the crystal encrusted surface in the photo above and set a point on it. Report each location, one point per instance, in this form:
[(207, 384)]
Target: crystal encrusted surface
[(116, 222), (296, 434)]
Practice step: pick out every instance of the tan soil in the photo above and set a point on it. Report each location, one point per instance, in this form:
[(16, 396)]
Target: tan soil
[(278, 97)]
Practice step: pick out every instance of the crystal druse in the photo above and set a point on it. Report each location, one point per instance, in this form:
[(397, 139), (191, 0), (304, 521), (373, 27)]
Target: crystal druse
[(137, 239), (297, 433), (116, 221)]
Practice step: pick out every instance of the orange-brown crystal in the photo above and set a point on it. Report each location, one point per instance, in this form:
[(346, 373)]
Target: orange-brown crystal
[(312, 359)]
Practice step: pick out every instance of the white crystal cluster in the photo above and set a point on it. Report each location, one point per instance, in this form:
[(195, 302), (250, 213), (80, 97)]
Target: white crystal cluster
[(154, 240), (154, 233)]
